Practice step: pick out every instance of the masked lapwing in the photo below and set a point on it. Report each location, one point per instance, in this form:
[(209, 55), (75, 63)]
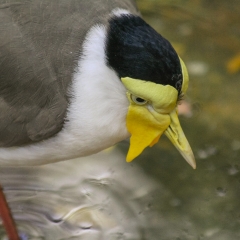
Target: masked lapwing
[(79, 76)]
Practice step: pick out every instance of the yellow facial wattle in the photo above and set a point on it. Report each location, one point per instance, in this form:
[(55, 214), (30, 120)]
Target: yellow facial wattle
[(144, 122), (149, 119)]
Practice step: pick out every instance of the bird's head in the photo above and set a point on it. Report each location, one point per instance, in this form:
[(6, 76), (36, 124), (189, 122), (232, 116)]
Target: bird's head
[(155, 78)]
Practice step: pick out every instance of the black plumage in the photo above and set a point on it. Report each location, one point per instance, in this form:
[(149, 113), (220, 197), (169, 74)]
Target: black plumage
[(134, 49)]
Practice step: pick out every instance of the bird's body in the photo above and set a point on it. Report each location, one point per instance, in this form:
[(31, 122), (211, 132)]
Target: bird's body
[(61, 66)]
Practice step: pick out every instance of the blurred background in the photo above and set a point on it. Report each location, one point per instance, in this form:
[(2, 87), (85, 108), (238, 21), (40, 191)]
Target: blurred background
[(157, 196)]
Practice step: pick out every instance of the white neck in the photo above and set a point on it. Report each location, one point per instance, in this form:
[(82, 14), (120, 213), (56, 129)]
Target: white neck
[(96, 116)]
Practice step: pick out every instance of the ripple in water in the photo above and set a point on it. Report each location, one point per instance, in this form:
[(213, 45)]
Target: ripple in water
[(98, 197)]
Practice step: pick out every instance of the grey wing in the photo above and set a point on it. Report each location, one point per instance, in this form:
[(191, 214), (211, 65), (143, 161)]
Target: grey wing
[(32, 101), (40, 43)]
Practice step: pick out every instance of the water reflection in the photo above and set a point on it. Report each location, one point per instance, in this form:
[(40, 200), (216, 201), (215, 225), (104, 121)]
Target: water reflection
[(98, 197)]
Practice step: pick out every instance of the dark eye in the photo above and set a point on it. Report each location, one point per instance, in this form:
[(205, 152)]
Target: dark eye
[(138, 100)]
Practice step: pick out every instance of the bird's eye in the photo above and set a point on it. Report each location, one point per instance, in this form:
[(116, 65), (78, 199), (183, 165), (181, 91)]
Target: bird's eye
[(138, 100)]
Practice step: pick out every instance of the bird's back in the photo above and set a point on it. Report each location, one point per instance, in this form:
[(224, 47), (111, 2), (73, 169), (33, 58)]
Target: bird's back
[(40, 45)]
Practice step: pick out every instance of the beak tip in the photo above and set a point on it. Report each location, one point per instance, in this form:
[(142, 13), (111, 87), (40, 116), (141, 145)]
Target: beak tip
[(194, 166), (191, 161)]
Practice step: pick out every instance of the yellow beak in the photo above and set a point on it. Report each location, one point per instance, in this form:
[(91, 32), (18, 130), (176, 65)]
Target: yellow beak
[(149, 127), (176, 135)]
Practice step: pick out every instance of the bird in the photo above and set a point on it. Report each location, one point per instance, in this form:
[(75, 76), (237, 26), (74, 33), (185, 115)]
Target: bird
[(77, 77)]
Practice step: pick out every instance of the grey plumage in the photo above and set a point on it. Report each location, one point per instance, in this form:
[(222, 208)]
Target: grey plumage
[(40, 44)]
